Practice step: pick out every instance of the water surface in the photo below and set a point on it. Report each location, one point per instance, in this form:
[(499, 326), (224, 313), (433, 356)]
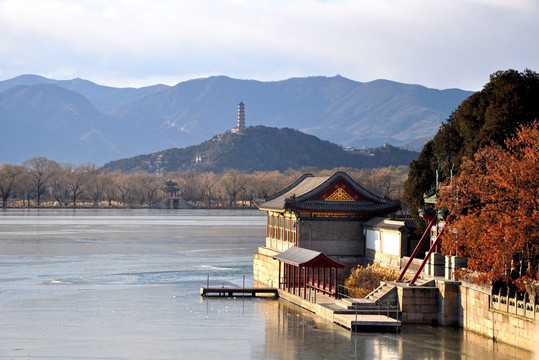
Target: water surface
[(124, 284)]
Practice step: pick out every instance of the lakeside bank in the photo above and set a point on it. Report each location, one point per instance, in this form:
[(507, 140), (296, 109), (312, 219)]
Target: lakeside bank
[(438, 302)]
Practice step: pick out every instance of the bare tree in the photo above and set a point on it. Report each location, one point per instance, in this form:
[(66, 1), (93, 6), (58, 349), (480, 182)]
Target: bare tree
[(123, 185), (151, 185), (9, 176), (58, 185), (110, 190), (233, 182), (145, 187), (25, 188), (95, 186), (41, 170), (75, 180), (207, 182), (189, 189), (264, 183)]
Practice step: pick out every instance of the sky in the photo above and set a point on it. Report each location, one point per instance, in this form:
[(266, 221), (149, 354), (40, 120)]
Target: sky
[(436, 43)]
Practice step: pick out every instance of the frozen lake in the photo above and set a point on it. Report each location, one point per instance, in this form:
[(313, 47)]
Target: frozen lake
[(124, 284)]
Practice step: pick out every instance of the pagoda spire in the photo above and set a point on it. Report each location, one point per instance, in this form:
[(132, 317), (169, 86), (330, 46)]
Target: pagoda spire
[(241, 116)]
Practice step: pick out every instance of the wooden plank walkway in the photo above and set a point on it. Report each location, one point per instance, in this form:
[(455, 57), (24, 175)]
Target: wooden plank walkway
[(237, 291)]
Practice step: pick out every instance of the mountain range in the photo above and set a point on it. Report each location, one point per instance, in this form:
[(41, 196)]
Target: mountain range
[(79, 121)]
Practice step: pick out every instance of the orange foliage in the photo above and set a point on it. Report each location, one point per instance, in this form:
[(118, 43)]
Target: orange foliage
[(495, 209)]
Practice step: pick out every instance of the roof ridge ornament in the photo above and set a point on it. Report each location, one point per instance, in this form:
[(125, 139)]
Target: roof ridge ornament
[(340, 195)]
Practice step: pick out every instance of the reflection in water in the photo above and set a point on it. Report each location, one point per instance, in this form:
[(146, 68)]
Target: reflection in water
[(293, 333)]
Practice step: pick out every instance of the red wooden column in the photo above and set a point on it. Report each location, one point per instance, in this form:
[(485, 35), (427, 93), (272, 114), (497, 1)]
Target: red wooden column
[(305, 283), (296, 224), (287, 275), (336, 292), (279, 279), (293, 284), (299, 280), (295, 278), (329, 281)]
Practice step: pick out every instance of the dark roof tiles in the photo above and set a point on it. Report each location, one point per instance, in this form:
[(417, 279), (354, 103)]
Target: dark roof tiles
[(360, 207), (300, 193), (305, 257)]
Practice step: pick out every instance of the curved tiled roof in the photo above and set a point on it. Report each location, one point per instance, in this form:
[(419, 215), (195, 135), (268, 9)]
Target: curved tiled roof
[(360, 207), (299, 195), (305, 257), (303, 184)]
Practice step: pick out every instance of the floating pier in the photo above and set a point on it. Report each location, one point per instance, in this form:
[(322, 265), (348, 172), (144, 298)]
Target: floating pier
[(237, 292)]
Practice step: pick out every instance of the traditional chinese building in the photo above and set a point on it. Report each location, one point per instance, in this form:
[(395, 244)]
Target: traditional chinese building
[(389, 239), (171, 198), (324, 214), (171, 189), (241, 119)]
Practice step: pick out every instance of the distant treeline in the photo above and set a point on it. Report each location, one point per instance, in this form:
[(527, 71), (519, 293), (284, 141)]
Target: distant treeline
[(40, 182)]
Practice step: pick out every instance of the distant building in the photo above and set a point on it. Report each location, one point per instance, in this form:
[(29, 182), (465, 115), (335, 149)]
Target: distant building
[(241, 119), (365, 151), (171, 197), (170, 190)]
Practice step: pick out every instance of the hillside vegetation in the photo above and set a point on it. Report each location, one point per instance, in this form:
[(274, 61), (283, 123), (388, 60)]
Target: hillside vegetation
[(262, 148)]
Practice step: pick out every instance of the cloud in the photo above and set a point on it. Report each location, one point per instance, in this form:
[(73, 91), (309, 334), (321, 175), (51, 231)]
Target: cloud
[(440, 44)]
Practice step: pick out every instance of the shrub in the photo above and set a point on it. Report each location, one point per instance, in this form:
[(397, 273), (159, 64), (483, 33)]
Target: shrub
[(363, 280)]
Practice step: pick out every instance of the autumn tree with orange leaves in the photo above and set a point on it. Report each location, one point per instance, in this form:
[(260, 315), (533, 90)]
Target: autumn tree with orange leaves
[(495, 210)]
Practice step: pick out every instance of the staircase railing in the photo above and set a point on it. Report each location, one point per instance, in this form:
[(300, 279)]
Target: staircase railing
[(344, 292)]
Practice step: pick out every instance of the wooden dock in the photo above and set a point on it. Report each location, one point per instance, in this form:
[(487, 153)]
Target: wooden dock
[(238, 292)]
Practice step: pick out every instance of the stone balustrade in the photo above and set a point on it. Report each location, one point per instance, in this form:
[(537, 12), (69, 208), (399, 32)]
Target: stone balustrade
[(516, 304)]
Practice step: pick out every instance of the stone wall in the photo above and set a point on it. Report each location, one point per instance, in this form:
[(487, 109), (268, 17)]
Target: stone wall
[(332, 237), (279, 245), (418, 304), (449, 308), (451, 303), (266, 268), (501, 326), (387, 260)]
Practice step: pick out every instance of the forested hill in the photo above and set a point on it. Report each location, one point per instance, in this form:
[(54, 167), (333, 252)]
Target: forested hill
[(262, 148)]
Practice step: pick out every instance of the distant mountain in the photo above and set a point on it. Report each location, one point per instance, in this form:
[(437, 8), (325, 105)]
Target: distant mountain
[(101, 96), (123, 122), (262, 148), (336, 109), (47, 120)]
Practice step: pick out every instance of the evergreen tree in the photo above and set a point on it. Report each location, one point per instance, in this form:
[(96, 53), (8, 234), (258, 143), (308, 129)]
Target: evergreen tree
[(492, 115)]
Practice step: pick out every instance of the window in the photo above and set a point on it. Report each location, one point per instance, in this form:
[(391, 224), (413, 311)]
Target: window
[(373, 239), (392, 244)]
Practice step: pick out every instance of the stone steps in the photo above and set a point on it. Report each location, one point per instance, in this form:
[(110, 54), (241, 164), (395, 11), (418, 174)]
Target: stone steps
[(425, 282), (362, 306), (386, 292), (353, 303)]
